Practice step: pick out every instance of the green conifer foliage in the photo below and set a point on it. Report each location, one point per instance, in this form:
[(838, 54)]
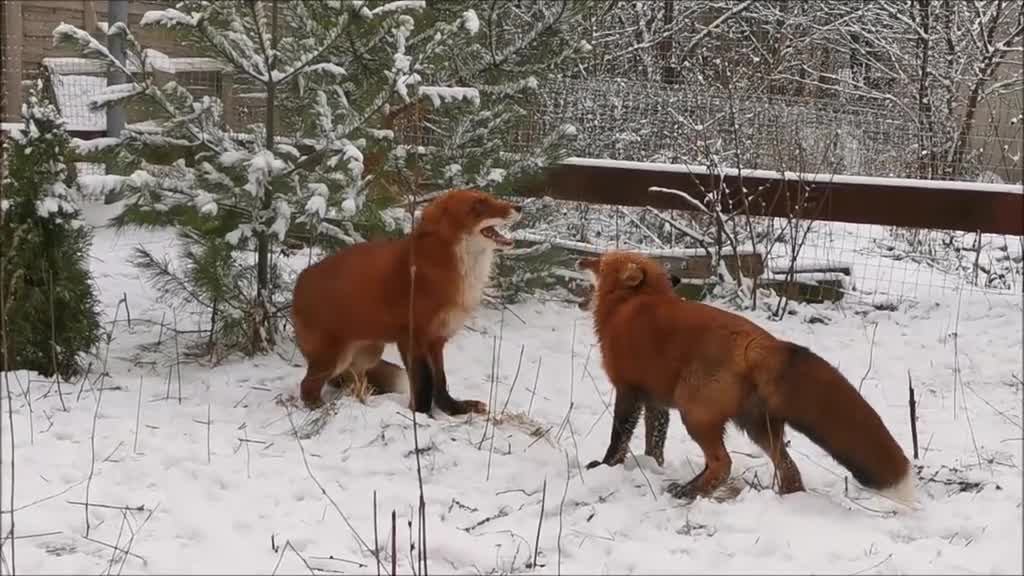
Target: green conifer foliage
[(49, 303)]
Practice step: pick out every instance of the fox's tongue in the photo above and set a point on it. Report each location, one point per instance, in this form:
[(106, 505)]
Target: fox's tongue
[(498, 238)]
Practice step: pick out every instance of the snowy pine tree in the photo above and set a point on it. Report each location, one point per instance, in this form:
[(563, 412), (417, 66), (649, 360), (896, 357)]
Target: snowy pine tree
[(49, 304), (367, 104)]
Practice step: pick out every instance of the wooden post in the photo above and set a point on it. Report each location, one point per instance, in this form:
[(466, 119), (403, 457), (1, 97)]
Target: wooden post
[(91, 23), (227, 98), (117, 12), (12, 60)]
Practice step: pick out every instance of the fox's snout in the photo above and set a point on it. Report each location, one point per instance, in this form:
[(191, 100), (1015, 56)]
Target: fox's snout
[(587, 264)]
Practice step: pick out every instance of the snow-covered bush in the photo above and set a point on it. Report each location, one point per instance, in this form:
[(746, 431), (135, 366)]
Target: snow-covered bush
[(49, 308), (366, 104)]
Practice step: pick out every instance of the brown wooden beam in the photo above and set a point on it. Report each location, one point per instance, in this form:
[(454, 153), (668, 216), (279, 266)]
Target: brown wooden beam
[(13, 54), (966, 206)]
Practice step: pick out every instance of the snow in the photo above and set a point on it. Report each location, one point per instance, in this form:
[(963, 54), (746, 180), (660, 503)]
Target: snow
[(169, 18), (99, 185), (262, 167), (227, 497), (438, 94), (808, 177), (327, 68), (95, 145), (471, 22), (154, 60), (114, 93), (399, 5)]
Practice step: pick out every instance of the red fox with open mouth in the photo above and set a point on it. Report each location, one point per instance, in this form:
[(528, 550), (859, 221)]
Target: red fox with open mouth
[(348, 306)]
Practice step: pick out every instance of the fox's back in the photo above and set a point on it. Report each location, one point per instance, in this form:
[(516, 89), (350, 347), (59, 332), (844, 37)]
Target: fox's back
[(360, 288), (652, 341)]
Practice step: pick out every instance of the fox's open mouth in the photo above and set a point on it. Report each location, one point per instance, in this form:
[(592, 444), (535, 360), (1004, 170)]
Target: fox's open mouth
[(492, 234)]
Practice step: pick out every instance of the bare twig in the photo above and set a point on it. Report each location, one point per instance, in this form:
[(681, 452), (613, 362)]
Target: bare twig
[(533, 392), (519, 365), (53, 346), (135, 534), (10, 424), (115, 548), (871, 356), (177, 355), (209, 424), (913, 413), (309, 471), (138, 414), (490, 391), (376, 541), (875, 565), (561, 506), (245, 437), (540, 522), (95, 417)]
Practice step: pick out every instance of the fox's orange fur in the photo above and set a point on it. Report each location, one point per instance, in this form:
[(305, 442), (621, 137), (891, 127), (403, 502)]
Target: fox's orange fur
[(714, 367), (348, 306)]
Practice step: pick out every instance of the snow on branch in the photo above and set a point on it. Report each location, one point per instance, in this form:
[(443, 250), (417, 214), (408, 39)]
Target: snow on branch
[(471, 22), (86, 43), (696, 203), (115, 93), (437, 94), (399, 5), (169, 18)]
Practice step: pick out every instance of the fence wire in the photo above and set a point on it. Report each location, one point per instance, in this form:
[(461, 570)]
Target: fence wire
[(655, 103)]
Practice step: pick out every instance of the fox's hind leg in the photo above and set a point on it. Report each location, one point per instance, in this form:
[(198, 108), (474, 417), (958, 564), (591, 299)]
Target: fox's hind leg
[(656, 419), (707, 430), (628, 405), (322, 367), (318, 370), (768, 433)]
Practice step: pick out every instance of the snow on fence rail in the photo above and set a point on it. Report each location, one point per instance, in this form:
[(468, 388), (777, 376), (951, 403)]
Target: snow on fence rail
[(877, 239), (932, 204)]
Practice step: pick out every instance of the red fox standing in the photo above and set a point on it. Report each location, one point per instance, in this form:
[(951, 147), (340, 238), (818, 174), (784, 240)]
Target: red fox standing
[(348, 306), (715, 367)]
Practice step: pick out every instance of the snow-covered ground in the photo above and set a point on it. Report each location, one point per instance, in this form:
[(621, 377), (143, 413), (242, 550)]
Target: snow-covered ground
[(186, 497)]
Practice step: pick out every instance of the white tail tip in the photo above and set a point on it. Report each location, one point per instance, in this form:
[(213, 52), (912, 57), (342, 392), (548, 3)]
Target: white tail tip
[(904, 491)]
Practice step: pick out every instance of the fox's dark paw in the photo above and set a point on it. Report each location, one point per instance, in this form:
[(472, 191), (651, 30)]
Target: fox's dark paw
[(460, 407), (681, 491), (594, 464), (659, 458)]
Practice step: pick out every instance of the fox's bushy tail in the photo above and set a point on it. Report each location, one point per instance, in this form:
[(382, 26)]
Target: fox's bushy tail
[(386, 377), (816, 400)]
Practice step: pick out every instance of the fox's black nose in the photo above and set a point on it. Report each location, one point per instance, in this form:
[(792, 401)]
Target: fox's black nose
[(517, 208)]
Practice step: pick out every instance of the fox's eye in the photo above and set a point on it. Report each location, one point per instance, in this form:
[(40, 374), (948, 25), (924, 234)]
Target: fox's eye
[(477, 206)]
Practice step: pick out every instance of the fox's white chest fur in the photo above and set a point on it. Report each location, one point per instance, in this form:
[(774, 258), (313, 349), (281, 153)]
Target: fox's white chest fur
[(475, 257)]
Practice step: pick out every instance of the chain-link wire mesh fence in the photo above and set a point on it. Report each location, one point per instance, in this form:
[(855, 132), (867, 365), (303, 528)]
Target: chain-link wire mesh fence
[(698, 93)]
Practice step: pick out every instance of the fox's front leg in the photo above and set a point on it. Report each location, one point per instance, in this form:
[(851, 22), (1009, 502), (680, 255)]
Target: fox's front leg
[(627, 413), (656, 419), (421, 378), (444, 400)]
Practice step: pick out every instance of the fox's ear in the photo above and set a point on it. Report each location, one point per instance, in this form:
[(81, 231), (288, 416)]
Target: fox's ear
[(631, 275)]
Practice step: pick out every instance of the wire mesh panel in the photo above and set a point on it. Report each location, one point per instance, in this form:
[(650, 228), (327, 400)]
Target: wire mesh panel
[(823, 87)]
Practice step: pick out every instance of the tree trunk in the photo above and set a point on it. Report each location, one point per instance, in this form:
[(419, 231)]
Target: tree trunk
[(263, 328), (926, 134), (986, 71)]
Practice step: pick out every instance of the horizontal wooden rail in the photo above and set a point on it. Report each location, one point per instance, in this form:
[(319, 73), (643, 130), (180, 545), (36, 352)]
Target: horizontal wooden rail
[(936, 204)]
